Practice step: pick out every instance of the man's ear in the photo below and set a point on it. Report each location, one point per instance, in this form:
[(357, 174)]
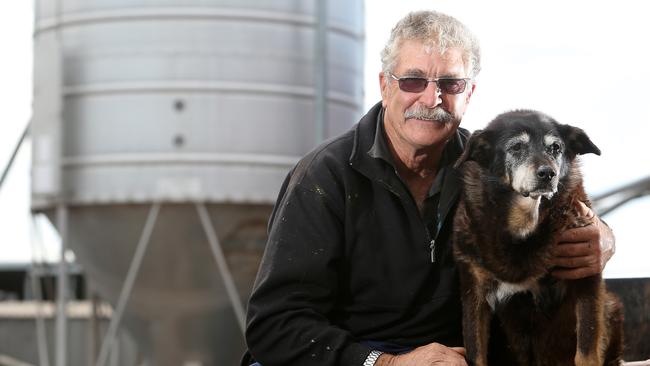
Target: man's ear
[(479, 148), (383, 87), (577, 141), (470, 92)]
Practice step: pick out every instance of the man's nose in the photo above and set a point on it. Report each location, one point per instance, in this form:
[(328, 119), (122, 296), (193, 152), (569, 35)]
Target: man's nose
[(431, 95)]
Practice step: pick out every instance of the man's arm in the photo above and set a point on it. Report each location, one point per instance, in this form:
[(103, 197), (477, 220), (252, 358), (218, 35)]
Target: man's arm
[(584, 251), (296, 288)]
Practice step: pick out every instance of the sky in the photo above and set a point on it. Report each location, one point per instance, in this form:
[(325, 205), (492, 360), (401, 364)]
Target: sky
[(582, 62)]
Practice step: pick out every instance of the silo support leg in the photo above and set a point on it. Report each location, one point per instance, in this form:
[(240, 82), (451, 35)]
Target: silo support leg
[(37, 288), (5, 172), (222, 265), (62, 289), (127, 287)]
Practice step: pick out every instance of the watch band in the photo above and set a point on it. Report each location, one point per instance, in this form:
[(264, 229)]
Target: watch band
[(372, 358)]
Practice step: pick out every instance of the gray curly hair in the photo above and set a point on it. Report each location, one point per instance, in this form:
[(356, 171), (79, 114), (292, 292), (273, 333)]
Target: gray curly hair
[(433, 29)]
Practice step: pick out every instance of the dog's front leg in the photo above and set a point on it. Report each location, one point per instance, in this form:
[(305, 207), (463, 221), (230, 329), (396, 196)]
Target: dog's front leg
[(476, 316), (589, 322)]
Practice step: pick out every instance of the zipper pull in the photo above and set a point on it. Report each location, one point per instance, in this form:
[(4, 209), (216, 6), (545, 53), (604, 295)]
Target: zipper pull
[(432, 247)]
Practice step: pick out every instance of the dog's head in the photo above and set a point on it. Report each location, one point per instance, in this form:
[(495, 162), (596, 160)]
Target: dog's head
[(527, 150)]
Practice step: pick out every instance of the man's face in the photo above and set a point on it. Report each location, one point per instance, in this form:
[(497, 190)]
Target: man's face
[(419, 131)]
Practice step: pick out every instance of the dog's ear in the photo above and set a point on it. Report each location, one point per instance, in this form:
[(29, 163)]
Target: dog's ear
[(478, 148), (577, 141)]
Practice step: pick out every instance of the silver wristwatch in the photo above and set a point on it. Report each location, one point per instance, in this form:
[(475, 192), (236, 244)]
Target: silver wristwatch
[(372, 358)]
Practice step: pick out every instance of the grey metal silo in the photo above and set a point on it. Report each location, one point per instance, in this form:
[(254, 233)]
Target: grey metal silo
[(162, 129)]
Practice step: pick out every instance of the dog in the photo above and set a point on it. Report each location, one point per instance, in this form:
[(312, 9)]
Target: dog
[(521, 186)]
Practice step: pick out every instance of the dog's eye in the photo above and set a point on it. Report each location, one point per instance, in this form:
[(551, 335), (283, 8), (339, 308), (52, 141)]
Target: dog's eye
[(554, 148), (516, 147)]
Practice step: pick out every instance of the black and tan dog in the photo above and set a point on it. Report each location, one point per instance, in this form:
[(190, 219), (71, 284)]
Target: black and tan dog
[(521, 187)]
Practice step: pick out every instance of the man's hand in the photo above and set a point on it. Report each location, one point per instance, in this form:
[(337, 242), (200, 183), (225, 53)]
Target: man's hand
[(584, 251), (431, 354)]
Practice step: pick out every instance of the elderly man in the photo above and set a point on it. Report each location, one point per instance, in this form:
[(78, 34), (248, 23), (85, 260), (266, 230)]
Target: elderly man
[(358, 267)]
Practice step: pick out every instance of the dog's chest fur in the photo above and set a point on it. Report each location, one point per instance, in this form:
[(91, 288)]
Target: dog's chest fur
[(523, 216), (504, 290)]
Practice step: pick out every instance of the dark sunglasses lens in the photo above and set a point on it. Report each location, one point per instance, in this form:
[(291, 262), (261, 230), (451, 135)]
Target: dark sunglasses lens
[(413, 85), (452, 86)]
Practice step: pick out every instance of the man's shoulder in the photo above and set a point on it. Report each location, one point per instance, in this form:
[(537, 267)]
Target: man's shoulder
[(332, 154), (331, 161)]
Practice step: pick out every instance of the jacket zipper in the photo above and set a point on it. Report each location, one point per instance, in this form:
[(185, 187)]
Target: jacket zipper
[(431, 242), (432, 245)]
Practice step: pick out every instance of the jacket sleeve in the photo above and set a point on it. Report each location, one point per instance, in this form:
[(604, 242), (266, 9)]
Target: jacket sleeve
[(289, 312)]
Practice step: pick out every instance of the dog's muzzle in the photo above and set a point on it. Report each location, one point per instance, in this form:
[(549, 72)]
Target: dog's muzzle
[(545, 183), (545, 173)]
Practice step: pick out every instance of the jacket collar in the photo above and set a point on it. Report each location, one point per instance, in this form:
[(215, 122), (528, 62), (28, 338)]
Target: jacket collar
[(370, 155), (379, 148)]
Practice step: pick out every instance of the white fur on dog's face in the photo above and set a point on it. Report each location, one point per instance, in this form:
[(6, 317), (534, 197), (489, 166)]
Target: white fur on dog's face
[(523, 158), (518, 169)]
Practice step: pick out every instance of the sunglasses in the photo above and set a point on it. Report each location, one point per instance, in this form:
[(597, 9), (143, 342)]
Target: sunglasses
[(412, 84)]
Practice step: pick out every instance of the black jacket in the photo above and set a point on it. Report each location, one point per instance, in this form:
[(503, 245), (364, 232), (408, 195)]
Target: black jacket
[(348, 257)]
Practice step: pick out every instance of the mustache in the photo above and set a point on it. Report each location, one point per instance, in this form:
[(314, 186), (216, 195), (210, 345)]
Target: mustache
[(435, 114)]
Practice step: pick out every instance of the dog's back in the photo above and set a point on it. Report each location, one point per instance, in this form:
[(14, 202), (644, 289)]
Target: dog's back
[(521, 188)]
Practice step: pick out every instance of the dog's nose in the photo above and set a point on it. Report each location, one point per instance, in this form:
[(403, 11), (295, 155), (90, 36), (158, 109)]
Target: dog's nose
[(545, 172)]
